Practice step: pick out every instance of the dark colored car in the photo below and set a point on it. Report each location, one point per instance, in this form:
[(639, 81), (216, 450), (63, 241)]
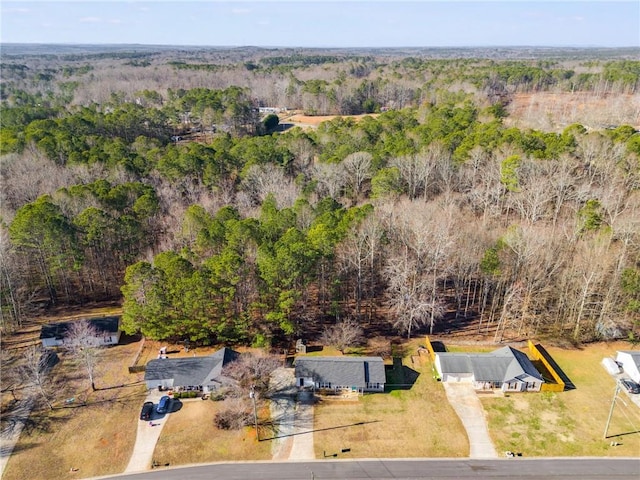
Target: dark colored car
[(147, 410), (163, 404), (629, 385)]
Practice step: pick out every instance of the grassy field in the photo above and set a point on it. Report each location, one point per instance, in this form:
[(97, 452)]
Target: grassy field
[(569, 423), (191, 437), (95, 433), (415, 422)]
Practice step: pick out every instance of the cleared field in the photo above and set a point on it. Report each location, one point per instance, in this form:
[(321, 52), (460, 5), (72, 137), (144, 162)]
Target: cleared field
[(416, 422), (190, 436), (569, 423)]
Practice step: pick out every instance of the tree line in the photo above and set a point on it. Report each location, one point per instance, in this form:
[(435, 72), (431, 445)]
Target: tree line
[(416, 218)]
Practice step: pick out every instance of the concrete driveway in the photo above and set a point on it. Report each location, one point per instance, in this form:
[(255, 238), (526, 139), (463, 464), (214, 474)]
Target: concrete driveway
[(465, 402), (294, 418), (147, 436)]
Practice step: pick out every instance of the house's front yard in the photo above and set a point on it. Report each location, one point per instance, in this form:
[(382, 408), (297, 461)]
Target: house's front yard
[(95, 433), (417, 422), (190, 436), (569, 423)]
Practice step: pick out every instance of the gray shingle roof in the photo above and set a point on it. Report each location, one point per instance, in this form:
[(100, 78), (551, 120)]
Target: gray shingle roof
[(59, 330), (500, 365), (342, 371), (190, 371)]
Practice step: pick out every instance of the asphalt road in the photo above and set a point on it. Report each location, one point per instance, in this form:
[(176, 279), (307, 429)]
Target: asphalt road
[(548, 469)]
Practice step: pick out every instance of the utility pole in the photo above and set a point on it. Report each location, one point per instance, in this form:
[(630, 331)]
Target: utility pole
[(613, 404), (252, 396)]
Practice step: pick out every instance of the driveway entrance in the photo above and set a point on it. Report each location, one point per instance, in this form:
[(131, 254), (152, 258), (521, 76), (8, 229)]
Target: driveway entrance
[(465, 402)]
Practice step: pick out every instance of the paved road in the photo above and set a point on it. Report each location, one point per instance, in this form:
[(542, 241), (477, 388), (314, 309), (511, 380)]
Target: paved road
[(547, 469), (464, 400)]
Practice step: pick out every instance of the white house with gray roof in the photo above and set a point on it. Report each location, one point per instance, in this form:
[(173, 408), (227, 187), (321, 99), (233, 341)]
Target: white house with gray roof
[(362, 374), (506, 368), (203, 374)]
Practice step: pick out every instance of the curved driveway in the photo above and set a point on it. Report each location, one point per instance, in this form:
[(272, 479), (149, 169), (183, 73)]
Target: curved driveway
[(465, 402)]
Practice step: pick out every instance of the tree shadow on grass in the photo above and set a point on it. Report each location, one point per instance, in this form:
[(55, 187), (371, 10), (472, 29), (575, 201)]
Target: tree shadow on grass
[(272, 423)]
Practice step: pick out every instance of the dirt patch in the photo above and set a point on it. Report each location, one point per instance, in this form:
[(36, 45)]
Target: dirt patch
[(315, 120)]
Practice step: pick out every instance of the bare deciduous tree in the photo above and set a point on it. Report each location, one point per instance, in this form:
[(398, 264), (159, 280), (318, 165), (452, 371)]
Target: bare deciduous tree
[(83, 343), (342, 335), (252, 371), (35, 369)]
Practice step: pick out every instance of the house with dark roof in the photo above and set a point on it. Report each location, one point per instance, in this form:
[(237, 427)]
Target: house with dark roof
[(362, 374), (506, 368), (107, 328), (203, 374)]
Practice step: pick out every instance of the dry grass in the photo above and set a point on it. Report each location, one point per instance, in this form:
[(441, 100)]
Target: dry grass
[(98, 437), (570, 423), (418, 422), (190, 436)]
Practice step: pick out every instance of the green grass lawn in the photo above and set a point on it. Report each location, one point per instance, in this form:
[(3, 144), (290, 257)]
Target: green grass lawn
[(569, 423)]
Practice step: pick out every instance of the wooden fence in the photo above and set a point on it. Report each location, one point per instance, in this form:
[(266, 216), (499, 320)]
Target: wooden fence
[(542, 355), (429, 347)]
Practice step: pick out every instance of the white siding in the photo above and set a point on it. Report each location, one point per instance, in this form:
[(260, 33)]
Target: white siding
[(629, 365)]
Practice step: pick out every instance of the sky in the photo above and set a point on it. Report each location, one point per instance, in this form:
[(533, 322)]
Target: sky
[(324, 23)]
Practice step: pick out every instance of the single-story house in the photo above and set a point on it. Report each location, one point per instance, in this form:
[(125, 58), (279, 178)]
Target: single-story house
[(630, 362), (506, 368), (203, 374), (362, 374), (108, 329)]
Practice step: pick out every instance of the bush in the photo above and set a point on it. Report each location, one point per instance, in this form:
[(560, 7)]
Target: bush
[(185, 394)]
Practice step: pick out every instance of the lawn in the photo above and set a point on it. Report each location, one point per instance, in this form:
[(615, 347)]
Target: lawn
[(95, 433), (190, 436), (569, 423), (414, 422)]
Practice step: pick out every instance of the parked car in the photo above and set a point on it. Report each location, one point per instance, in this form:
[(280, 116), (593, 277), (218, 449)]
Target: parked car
[(629, 385), (163, 404), (147, 410)]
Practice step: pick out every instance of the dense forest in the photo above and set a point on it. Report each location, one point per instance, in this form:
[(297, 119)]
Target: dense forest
[(154, 177)]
